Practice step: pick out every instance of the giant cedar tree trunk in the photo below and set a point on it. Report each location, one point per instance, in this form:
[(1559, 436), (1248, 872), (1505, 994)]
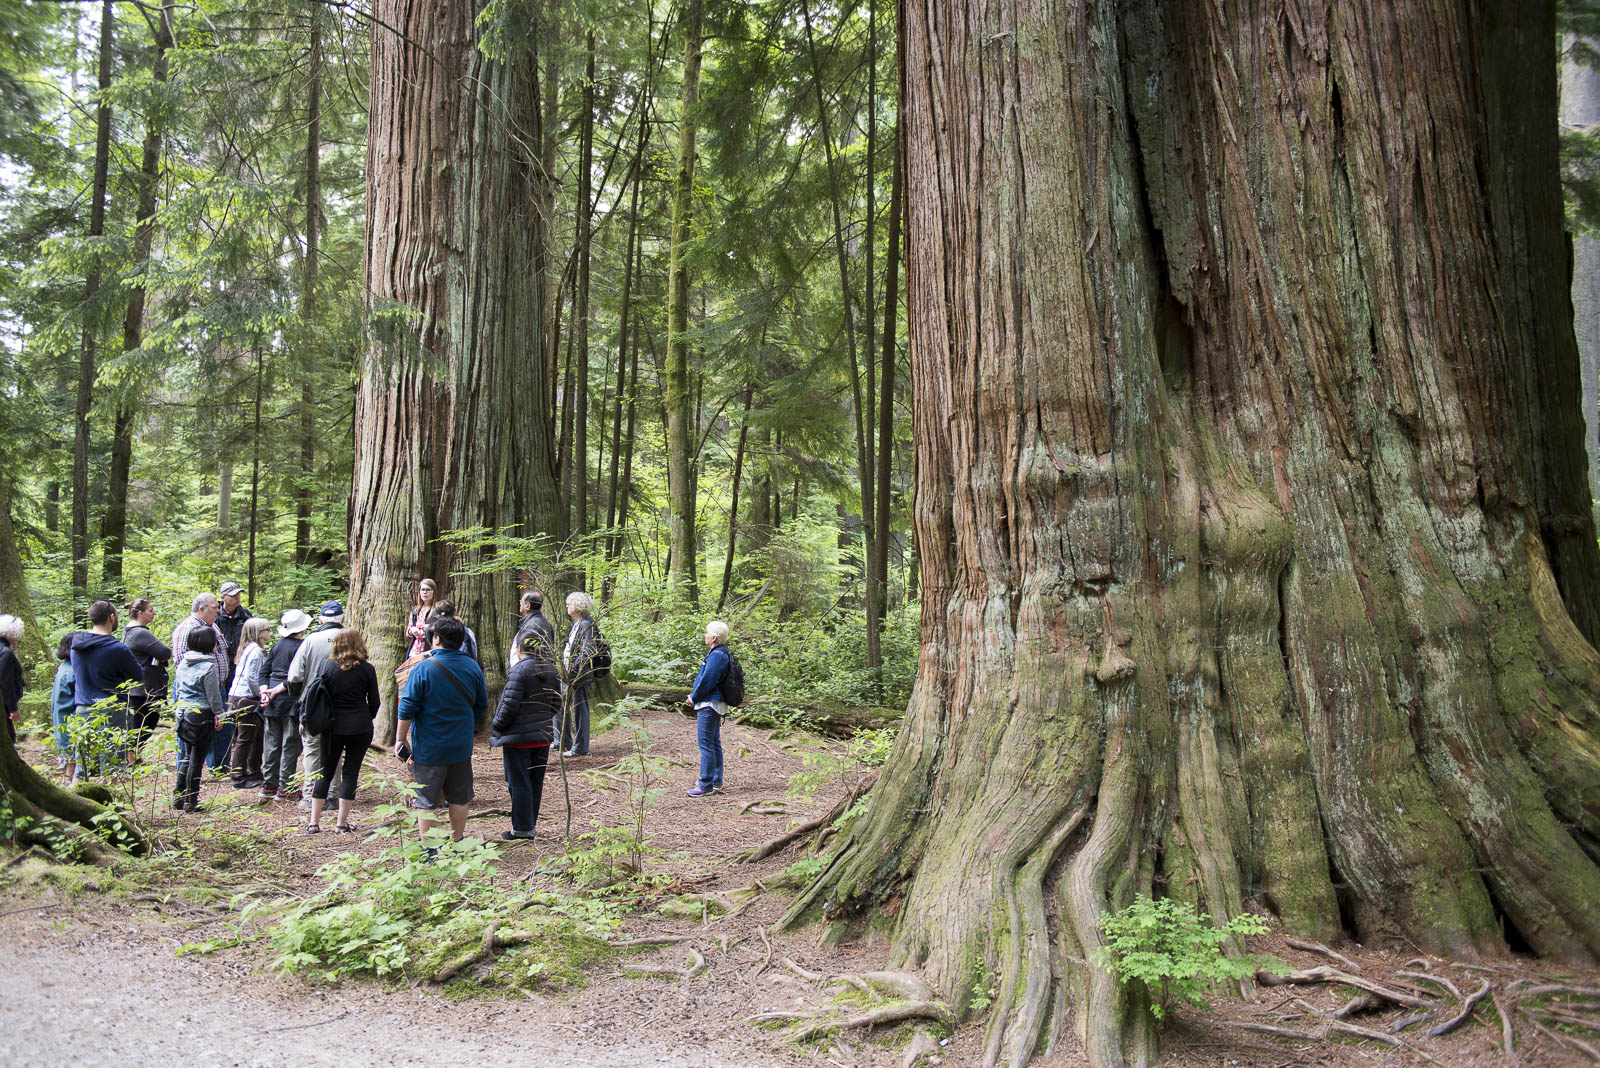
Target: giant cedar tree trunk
[(1250, 487), (450, 429)]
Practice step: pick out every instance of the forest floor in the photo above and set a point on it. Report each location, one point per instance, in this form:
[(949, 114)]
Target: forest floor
[(92, 971)]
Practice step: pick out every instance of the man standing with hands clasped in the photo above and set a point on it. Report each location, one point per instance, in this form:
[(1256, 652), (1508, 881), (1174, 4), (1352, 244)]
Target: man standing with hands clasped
[(706, 698), (444, 700)]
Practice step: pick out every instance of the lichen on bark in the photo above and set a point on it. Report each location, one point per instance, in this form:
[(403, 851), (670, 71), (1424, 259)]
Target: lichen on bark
[(1239, 421)]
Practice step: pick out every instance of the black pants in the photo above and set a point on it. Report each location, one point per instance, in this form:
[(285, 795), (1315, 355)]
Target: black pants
[(525, 770), (244, 757), (198, 728), (350, 748), (144, 715)]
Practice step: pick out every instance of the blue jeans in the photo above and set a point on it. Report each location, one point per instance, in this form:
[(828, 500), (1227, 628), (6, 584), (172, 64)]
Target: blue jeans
[(221, 743), (575, 729), (708, 731), (525, 770), (63, 746)]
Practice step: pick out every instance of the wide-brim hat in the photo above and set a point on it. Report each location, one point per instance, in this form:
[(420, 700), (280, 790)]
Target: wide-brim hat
[(293, 622)]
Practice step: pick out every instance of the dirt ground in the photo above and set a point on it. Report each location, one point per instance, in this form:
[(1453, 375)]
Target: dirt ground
[(89, 983)]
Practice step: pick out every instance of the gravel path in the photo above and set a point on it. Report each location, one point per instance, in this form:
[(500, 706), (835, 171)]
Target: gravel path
[(97, 992)]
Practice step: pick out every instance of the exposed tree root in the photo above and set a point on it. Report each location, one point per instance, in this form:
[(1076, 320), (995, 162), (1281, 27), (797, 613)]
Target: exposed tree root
[(491, 941), (1461, 1017), (1318, 948), (650, 940), (885, 1014), (788, 838), (766, 806), (803, 973), (1333, 975), (1437, 980), (766, 959), (697, 964)]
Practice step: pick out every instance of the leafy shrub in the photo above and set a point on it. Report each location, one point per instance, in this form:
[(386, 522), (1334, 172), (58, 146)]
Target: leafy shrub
[(1175, 952)]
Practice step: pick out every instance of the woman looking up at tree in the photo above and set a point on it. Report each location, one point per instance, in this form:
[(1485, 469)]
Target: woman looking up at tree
[(575, 658), (420, 616)]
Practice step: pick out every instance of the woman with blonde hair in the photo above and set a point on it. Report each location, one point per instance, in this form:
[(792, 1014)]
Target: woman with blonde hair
[(353, 694), (244, 704)]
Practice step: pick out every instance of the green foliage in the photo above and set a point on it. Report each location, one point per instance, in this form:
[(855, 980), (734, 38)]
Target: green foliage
[(19, 831), (1176, 953), (408, 913)]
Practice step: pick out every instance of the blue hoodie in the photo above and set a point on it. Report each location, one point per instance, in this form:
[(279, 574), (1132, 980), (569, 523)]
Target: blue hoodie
[(100, 665)]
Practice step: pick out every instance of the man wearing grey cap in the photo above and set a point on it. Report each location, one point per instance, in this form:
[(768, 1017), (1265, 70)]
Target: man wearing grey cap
[(308, 661)]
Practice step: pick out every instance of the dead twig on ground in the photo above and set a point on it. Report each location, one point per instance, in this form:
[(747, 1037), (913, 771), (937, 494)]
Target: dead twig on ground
[(1437, 980), (766, 960), (788, 838), (1327, 974), (697, 964)]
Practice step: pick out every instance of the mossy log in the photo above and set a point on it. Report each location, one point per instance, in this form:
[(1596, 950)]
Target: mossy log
[(834, 720)]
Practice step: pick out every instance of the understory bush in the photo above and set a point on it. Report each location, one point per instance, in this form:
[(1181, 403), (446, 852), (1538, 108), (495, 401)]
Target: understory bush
[(407, 915), (1175, 952)]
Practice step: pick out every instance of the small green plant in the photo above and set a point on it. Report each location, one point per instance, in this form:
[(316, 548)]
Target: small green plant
[(1175, 952), (984, 987)]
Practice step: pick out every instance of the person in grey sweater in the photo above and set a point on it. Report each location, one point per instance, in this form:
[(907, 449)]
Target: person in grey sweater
[(199, 708)]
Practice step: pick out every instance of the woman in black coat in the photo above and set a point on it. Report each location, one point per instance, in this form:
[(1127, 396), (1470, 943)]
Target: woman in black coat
[(524, 725), (353, 694), (153, 654)]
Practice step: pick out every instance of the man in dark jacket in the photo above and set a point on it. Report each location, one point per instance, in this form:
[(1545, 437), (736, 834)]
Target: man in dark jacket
[(533, 622), (281, 741), (102, 668), (524, 725), (230, 620)]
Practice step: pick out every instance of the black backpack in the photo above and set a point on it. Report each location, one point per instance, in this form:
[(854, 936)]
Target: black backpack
[(316, 707), (733, 683), (600, 662)]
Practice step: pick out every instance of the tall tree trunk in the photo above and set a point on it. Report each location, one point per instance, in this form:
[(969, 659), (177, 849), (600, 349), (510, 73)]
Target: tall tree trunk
[(733, 505), (614, 546), (864, 466), (758, 528), (622, 338), (568, 418), (255, 469), (891, 313), (86, 353), (679, 392), (446, 435), (580, 314), (225, 492), (14, 593), (1227, 544), (548, 185), (308, 290), (115, 527)]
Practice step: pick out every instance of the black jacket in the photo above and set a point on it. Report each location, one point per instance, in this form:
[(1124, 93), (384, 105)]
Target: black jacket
[(528, 705), (10, 678), (354, 696), (232, 627), (153, 655), (275, 672), (535, 623)]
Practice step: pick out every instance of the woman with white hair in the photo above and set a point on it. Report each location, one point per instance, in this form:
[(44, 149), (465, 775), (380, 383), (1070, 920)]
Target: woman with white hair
[(706, 698), (11, 684), (577, 658)]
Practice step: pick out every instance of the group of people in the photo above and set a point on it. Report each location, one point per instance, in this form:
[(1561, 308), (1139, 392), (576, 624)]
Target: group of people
[(236, 700)]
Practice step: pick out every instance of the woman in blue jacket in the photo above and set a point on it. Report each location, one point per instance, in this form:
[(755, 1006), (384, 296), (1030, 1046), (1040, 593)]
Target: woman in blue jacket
[(709, 708)]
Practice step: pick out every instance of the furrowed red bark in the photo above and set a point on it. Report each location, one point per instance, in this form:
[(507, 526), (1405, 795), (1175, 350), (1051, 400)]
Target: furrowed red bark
[(1245, 421), (449, 430)]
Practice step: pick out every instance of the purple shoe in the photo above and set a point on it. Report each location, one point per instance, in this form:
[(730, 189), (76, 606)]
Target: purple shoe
[(698, 791)]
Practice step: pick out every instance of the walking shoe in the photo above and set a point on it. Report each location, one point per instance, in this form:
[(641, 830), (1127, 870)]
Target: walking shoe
[(698, 791), (177, 804), (716, 788), (265, 797), (192, 806), (513, 836), (305, 804), (289, 795), (569, 753)]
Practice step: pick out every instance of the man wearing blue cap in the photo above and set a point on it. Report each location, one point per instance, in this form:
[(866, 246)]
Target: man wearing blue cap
[(308, 661)]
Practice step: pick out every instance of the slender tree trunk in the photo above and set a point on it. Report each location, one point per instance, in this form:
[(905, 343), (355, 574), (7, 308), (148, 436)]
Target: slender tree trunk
[(546, 257), (224, 493), (453, 224), (622, 346), (255, 470), (568, 420), (308, 291), (14, 593), (1216, 516), (891, 313), (86, 356), (733, 506), (580, 314), (115, 527), (679, 391), (869, 411), (614, 548), (864, 466)]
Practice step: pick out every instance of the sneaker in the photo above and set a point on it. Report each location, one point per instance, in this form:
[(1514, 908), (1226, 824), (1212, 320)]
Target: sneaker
[(266, 797), (177, 804), (569, 753), (61, 763), (305, 804), (289, 795), (697, 791), (192, 806), (513, 836), (716, 788)]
